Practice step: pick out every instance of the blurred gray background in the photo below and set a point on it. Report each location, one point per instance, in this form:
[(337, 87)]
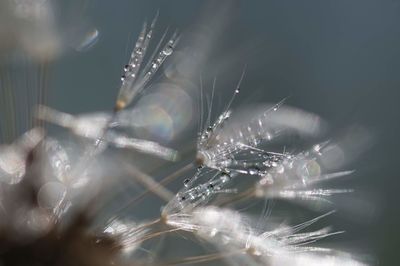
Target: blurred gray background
[(339, 59)]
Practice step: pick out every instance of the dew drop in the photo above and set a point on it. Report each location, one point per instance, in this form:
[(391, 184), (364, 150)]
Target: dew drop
[(310, 169), (186, 182), (253, 170), (225, 177), (280, 169), (266, 180), (168, 50), (139, 50), (266, 155)]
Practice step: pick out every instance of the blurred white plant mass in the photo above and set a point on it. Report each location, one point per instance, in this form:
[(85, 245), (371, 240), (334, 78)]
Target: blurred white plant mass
[(124, 186)]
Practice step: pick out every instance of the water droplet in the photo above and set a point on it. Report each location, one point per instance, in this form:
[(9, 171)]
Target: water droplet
[(186, 182), (225, 177), (168, 50), (237, 91), (266, 155), (139, 50), (280, 169), (266, 180), (191, 196), (253, 170), (213, 232), (310, 169)]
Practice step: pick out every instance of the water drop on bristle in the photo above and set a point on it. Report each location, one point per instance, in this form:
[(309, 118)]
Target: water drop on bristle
[(266, 180), (280, 169), (168, 50), (309, 170), (225, 177), (237, 91), (186, 182), (266, 155), (253, 170)]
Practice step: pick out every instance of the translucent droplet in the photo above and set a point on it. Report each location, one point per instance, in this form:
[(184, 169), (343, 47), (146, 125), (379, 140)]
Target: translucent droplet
[(186, 182), (58, 159), (210, 186), (265, 155), (168, 50), (237, 91), (213, 232), (310, 170), (253, 170), (266, 180), (280, 169), (182, 198), (139, 50), (225, 177)]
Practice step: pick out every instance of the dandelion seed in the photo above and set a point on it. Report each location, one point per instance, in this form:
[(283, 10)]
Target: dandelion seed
[(294, 177), (221, 144), (129, 234), (93, 127), (228, 230), (136, 77)]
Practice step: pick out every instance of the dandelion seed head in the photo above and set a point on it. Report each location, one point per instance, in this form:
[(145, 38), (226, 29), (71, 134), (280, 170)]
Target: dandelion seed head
[(64, 197)]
